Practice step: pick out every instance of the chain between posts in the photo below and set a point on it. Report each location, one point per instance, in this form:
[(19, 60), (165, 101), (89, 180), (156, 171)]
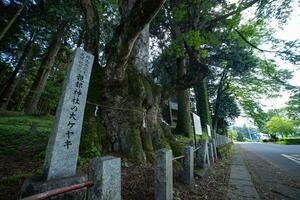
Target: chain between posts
[(178, 158), (197, 149), (182, 156)]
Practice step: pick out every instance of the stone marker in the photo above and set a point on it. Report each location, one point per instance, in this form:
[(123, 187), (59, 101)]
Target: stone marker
[(105, 172), (202, 158), (63, 145), (188, 166), (33, 128), (163, 175)]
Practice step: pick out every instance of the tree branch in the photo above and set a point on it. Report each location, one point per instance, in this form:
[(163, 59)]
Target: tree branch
[(119, 48), (199, 72), (255, 47), (213, 22)]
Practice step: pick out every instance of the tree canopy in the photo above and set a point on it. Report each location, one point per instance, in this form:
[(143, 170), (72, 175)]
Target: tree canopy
[(146, 53)]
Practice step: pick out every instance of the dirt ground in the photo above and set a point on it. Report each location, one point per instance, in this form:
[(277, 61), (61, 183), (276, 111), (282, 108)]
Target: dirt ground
[(137, 180), (137, 183)]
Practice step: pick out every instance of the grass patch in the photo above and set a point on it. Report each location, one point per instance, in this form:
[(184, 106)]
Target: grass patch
[(21, 153), (15, 179), (225, 150), (180, 142)]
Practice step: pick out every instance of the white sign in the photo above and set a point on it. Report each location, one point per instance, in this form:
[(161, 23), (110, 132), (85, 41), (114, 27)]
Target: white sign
[(197, 124), (208, 130)]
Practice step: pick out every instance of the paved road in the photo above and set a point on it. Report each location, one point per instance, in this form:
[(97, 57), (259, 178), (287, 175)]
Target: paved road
[(274, 169), (286, 157)]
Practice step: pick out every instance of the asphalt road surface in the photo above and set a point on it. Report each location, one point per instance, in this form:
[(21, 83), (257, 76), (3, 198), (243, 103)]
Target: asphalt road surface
[(286, 157), (275, 169)]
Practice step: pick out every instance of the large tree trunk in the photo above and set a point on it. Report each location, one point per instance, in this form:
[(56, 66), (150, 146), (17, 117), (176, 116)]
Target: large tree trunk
[(131, 101), (11, 83), (41, 78), (93, 131), (124, 111), (202, 104), (218, 99), (183, 126), (128, 107)]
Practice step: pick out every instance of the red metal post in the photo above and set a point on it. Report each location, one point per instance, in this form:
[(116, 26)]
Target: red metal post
[(59, 191)]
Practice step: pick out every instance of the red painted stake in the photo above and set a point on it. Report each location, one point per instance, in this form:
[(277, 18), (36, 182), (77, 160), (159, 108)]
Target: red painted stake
[(59, 191)]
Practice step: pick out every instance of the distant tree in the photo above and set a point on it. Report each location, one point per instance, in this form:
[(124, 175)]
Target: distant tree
[(280, 125), (232, 135), (293, 108), (240, 137)]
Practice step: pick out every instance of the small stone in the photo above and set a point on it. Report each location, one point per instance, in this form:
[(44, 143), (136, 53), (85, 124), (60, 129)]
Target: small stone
[(33, 128)]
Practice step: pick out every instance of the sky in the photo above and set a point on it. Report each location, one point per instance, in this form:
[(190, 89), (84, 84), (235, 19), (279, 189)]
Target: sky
[(289, 32)]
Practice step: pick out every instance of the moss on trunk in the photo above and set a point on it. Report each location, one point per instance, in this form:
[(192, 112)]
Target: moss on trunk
[(202, 105), (184, 126)]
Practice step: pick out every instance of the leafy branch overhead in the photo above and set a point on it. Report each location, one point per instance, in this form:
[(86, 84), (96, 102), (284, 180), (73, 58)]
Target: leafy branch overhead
[(148, 54)]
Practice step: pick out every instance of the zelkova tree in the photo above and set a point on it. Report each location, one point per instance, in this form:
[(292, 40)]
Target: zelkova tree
[(130, 100), (127, 87), (128, 115), (126, 92)]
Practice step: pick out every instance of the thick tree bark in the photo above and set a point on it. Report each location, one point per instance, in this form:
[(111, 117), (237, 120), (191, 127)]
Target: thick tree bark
[(127, 100), (125, 106), (13, 80), (183, 126), (93, 131), (44, 70), (119, 48), (10, 23), (218, 98), (202, 104), (130, 109)]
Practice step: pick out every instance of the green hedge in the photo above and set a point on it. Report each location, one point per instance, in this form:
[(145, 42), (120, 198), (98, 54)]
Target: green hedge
[(289, 141)]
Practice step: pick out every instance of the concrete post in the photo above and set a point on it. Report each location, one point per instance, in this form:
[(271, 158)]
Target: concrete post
[(105, 172), (163, 185), (188, 166), (211, 151), (215, 149), (202, 158)]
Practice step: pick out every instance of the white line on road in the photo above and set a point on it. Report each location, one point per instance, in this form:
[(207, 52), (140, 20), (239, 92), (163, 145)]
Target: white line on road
[(292, 158)]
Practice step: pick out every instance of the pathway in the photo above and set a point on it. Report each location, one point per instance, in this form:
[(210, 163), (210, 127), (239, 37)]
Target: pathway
[(240, 183)]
